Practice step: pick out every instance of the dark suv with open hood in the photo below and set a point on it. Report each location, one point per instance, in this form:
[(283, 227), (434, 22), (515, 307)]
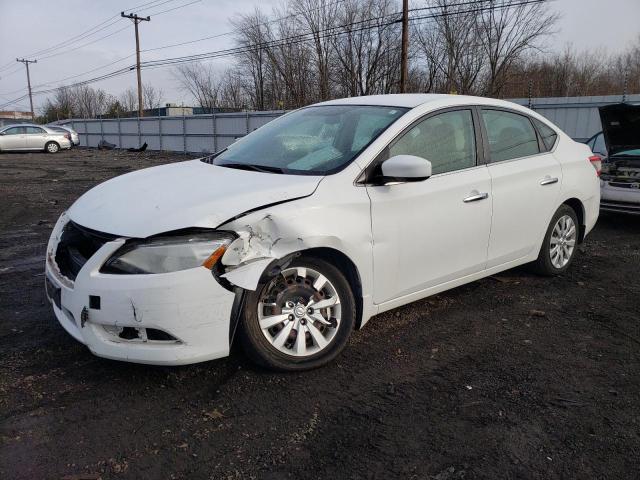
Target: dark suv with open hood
[(619, 145)]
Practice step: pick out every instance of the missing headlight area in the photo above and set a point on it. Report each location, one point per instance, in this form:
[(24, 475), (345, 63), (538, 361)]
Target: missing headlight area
[(76, 246), (136, 334)]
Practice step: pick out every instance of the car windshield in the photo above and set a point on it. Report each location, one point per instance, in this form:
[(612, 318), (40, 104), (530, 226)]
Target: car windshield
[(311, 141)]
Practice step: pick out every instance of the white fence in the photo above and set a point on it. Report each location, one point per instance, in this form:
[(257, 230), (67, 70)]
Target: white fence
[(577, 116), (197, 133)]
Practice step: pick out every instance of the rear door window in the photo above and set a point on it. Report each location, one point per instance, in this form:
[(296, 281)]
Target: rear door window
[(34, 130), (510, 135)]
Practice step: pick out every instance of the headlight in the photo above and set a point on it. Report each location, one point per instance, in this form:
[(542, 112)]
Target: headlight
[(169, 254)]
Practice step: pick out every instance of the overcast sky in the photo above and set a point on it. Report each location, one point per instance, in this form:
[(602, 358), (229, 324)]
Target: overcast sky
[(28, 27)]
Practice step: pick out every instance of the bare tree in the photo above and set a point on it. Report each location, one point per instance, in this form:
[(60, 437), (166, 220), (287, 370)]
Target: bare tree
[(90, 102), (232, 92), (367, 48), (506, 31), (318, 17), (252, 33), (199, 80), (151, 96), (312, 50), (451, 48), (129, 100)]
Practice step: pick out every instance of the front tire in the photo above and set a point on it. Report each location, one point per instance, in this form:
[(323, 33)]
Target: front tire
[(300, 319), (560, 243), (52, 147)]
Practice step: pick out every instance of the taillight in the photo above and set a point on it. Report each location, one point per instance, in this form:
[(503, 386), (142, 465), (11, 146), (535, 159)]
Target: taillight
[(596, 161), (67, 136)]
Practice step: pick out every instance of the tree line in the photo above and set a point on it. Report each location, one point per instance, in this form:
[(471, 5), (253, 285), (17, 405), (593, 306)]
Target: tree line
[(84, 101), (313, 50)]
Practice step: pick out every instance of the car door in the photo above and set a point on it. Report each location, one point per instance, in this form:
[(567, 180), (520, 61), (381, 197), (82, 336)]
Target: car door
[(36, 137), (525, 182), (433, 231), (13, 138)]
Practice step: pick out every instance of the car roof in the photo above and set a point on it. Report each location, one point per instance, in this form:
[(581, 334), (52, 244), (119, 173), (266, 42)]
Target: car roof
[(412, 100), (22, 125)]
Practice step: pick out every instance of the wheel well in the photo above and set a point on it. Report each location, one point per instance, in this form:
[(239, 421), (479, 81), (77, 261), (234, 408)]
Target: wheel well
[(577, 207), (346, 266)]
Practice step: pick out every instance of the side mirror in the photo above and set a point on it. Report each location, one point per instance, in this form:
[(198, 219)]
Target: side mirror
[(405, 168)]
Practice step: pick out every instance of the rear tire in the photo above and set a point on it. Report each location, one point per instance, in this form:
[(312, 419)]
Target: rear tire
[(284, 305), (52, 147), (560, 243)]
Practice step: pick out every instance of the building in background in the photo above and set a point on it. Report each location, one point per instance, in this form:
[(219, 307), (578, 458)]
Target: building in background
[(9, 117)]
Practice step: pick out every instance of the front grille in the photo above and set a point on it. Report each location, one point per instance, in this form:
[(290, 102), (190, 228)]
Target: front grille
[(614, 206), (624, 184), (77, 245)]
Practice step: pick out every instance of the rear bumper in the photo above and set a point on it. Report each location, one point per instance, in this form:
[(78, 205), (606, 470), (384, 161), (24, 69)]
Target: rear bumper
[(620, 200), (104, 311), (64, 143)]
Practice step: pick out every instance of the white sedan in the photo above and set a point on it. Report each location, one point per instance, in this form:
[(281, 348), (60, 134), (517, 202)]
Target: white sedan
[(303, 230)]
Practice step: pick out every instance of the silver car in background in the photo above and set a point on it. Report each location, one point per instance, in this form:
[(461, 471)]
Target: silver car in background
[(75, 138), (34, 138)]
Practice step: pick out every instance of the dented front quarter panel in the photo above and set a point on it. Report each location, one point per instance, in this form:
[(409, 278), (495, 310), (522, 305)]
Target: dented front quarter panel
[(323, 220)]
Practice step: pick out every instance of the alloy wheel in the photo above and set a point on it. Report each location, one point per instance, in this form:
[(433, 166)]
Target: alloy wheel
[(299, 312), (563, 241)]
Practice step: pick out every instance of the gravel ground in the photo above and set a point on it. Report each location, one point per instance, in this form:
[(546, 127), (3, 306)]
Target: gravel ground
[(513, 376)]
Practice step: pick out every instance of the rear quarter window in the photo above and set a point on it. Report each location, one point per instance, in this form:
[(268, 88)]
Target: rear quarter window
[(549, 135)]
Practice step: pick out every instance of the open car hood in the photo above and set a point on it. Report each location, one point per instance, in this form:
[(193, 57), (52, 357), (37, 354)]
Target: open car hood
[(620, 127), (182, 195)]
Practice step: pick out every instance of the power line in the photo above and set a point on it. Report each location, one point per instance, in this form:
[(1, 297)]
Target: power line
[(300, 37), (85, 44), (188, 42), (288, 41), (86, 34), (80, 74), (72, 40), (175, 8)]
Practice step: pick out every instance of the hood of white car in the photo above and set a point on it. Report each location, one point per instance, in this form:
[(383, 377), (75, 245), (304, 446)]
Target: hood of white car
[(182, 195)]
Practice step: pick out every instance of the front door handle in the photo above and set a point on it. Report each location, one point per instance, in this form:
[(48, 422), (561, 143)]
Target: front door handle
[(475, 196), (549, 180)]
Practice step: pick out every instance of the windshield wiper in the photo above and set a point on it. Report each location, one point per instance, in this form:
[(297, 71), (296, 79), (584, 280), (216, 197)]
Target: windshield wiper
[(253, 168)]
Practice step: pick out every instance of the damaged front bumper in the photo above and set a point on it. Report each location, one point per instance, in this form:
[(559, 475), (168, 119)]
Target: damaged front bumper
[(166, 319)]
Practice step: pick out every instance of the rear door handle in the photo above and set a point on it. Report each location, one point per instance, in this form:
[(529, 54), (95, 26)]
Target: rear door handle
[(548, 180), (475, 196)]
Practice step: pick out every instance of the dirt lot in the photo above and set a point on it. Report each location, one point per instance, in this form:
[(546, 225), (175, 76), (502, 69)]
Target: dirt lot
[(514, 376)]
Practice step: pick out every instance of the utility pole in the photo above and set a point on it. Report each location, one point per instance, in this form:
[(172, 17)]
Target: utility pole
[(136, 20), (405, 46), (26, 64)]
